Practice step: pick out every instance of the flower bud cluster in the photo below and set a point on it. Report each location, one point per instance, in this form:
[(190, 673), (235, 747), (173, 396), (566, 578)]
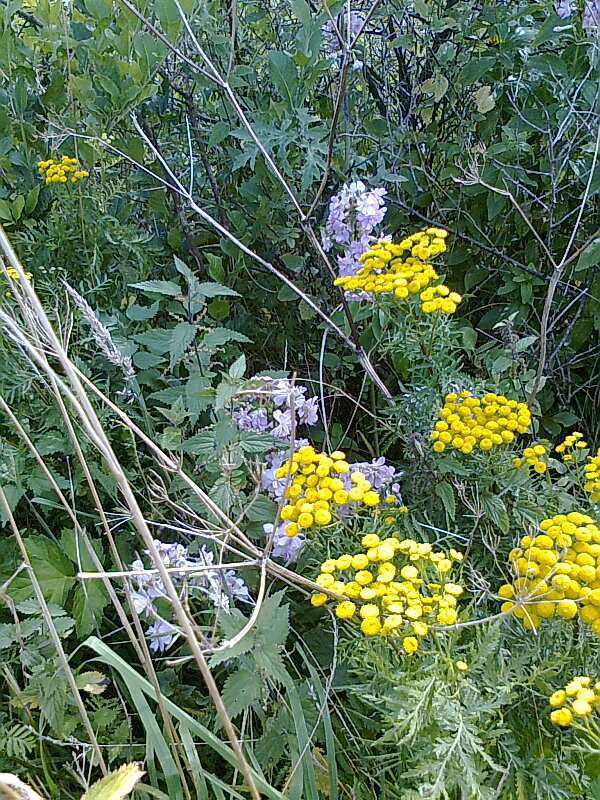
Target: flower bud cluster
[(316, 486), (559, 573), (467, 422), (57, 171), (532, 458), (394, 587), (386, 269), (577, 699), (592, 477)]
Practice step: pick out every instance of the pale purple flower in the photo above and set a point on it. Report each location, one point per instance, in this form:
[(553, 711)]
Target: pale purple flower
[(377, 472), (284, 546), (342, 22), (283, 428), (308, 414), (564, 8), (591, 17), (236, 586), (161, 634)]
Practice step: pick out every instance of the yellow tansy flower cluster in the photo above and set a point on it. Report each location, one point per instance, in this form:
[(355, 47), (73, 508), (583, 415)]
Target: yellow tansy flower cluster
[(402, 268), (578, 698), (316, 486), (394, 586), (559, 572), (467, 422), (571, 442), (12, 273), (57, 171), (592, 477), (531, 458)]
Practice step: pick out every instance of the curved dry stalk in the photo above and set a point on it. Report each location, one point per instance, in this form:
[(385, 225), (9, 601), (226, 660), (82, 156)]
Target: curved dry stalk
[(87, 415)]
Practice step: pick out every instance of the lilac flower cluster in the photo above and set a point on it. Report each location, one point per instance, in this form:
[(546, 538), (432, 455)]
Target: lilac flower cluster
[(284, 546), (269, 407), (591, 18), (353, 215), (351, 23), (218, 585)]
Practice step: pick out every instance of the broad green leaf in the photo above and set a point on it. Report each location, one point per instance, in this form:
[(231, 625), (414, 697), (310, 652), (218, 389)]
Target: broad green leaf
[(166, 288), (241, 690), (221, 336), (446, 494), (182, 337), (52, 568), (283, 74), (495, 510), (210, 289), (589, 257), (476, 69)]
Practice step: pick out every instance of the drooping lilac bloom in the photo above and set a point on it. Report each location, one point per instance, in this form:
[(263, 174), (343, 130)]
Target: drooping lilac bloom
[(212, 582), (591, 18), (161, 634), (284, 546), (564, 8), (283, 428), (309, 412)]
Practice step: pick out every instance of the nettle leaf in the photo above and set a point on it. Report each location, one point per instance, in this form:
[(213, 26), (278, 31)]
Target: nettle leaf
[(165, 288), (237, 369), (219, 337), (254, 443), (242, 689), (211, 289), (273, 620), (202, 444), (52, 568), (495, 510), (182, 336), (446, 494)]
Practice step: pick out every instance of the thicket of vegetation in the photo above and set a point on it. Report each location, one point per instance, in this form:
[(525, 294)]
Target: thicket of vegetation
[(300, 398)]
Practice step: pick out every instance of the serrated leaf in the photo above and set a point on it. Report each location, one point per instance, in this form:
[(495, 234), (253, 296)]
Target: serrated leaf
[(92, 682), (495, 510), (182, 336), (484, 99), (165, 288), (225, 391), (202, 444), (255, 443), (221, 336), (273, 619), (212, 289), (238, 368), (446, 494), (241, 690), (116, 785), (53, 570)]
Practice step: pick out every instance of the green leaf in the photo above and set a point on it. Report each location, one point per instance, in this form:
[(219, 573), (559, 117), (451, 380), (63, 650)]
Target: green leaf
[(211, 289), (182, 336), (238, 368), (495, 510), (476, 69), (254, 443), (202, 444), (589, 257), (565, 418), (219, 337), (165, 288), (446, 494), (52, 568), (283, 74), (242, 689), (435, 87)]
